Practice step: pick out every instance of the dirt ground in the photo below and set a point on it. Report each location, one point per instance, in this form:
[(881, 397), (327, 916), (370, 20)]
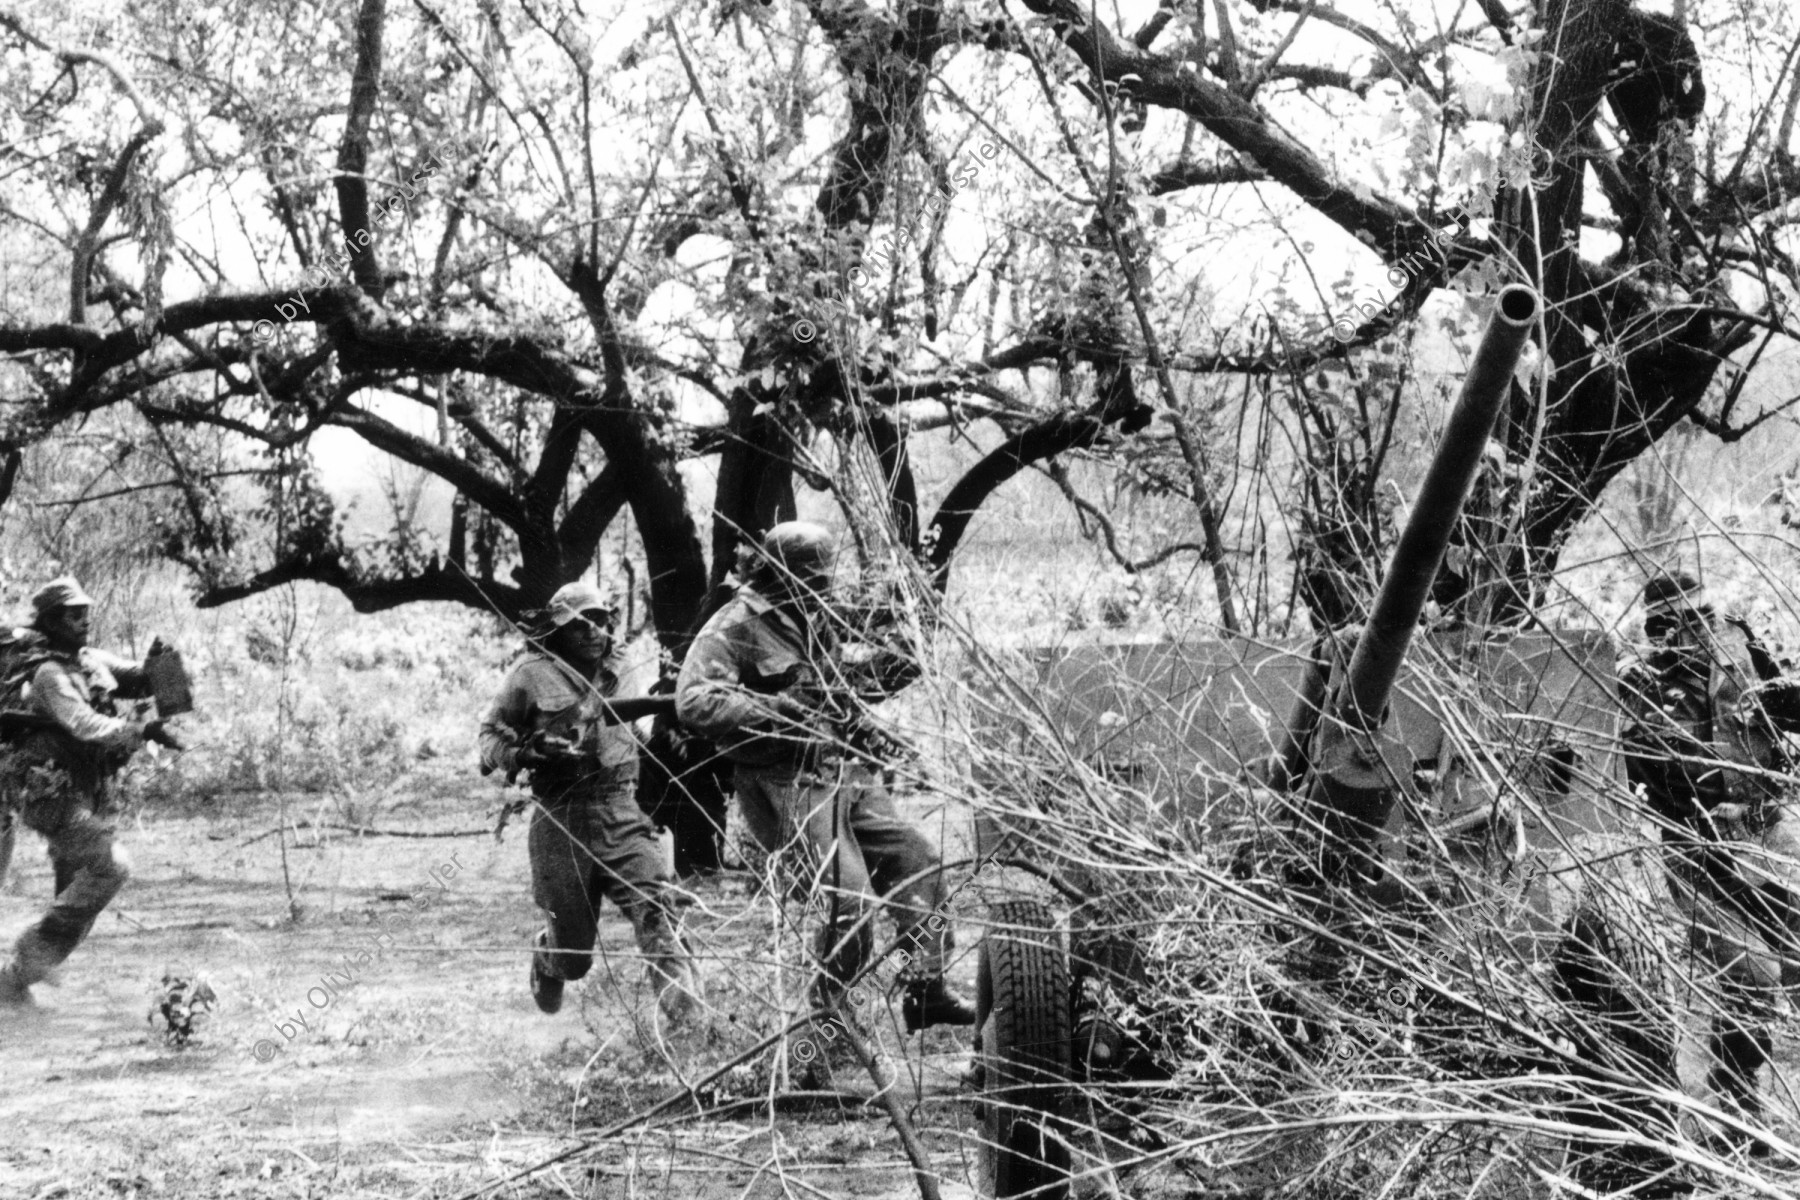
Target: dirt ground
[(348, 1058)]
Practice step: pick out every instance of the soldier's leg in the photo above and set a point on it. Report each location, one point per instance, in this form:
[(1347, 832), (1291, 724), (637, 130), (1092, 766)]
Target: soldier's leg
[(907, 873), (9, 833), (91, 869), (1611, 1018), (1740, 1041), (629, 869), (1745, 984), (836, 872), (561, 870), (1778, 867), (758, 793)]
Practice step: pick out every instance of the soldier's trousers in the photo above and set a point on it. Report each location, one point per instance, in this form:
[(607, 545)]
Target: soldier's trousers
[(89, 871), (1746, 937), (589, 841), (1749, 939), (834, 832)]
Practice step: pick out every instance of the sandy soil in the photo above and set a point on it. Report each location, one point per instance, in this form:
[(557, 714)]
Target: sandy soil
[(385, 1045)]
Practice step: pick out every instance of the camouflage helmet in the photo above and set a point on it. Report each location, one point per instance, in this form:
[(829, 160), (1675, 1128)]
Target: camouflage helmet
[(572, 599), (797, 552)]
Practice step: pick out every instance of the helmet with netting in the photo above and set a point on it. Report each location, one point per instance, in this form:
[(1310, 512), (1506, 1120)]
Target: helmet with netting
[(796, 555)]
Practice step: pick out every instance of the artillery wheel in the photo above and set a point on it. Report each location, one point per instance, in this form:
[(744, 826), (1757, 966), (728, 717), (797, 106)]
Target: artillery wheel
[(1022, 1047)]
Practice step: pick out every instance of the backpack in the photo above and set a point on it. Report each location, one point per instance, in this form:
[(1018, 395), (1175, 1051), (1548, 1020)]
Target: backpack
[(22, 652)]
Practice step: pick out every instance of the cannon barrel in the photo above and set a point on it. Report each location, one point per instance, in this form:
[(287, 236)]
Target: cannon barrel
[(1354, 767), (1382, 647)]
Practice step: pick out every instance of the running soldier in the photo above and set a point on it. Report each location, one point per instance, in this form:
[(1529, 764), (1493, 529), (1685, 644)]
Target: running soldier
[(1704, 741), (763, 679), (68, 739), (588, 838)]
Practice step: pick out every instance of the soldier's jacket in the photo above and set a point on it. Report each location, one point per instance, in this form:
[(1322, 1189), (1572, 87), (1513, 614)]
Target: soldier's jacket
[(1728, 731), (544, 694), (85, 738), (749, 650)]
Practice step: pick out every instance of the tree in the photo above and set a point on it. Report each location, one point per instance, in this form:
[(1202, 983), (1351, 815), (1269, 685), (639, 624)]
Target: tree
[(522, 200)]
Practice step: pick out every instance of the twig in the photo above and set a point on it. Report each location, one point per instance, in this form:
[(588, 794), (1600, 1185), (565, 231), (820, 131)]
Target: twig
[(882, 1073), (686, 1095), (367, 831)]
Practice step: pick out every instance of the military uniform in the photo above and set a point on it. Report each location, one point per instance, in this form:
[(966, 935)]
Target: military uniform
[(1703, 742), (57, 775), (588, 838), (806, 796)]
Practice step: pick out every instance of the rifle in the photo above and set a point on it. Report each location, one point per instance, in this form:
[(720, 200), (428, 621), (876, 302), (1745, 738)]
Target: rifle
[(17, 722), (632, 708), (850, 724)]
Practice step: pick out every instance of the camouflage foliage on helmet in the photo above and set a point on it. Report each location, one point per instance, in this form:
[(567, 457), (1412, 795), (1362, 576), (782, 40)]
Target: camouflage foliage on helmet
[(794, 552)]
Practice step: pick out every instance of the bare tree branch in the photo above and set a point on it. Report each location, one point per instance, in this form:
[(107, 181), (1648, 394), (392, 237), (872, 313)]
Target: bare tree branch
[(353, 152)]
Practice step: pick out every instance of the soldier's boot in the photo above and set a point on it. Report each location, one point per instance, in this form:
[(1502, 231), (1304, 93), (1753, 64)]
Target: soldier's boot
[(33, 961), (546, 989), (668, 968), (930, 1002), (678, 989), (14, 991)]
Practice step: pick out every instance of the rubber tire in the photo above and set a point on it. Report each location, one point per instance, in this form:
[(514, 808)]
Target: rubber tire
[(1022, 1014)]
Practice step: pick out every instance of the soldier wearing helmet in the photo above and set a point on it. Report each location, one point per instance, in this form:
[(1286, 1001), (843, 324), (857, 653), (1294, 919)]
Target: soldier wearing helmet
[(68, 739), (767, 680), (1706, 712), (588, 838)]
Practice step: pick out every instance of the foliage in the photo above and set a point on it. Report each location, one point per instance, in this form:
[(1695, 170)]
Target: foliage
[(579, 313)]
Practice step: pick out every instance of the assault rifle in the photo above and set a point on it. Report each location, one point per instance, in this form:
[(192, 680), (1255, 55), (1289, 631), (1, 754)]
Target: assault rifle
[(849, 723)]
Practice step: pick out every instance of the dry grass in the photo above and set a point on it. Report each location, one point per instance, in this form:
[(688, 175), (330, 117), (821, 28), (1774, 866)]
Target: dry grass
[(1428, 1056)]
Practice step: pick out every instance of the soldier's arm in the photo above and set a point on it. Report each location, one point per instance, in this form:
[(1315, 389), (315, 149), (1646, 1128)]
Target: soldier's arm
[(56, 694), (1777, 691), (505, 727), (133, 681), (1781, 700), (709, 697)]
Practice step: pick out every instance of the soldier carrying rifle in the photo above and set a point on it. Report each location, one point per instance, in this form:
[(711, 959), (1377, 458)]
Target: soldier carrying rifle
[(66, 737), (558, 716), (1704, 743), (767, 680)]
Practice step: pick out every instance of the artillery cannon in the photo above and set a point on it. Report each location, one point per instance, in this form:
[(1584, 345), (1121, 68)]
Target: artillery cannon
[(1175, 723), (1356, 772)]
